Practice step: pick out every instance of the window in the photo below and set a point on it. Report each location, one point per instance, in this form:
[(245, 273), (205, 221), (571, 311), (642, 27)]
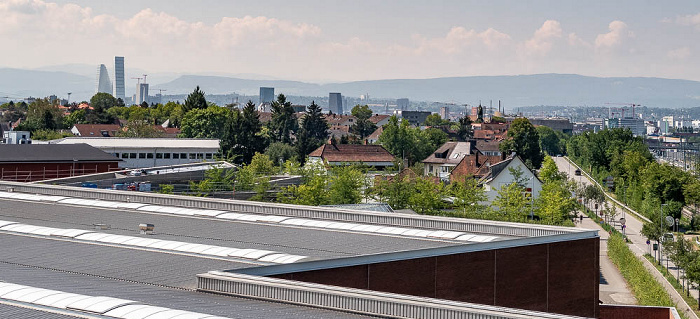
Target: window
[(149, 155), (183, 155), (125, 155), (132, 155), (167, 155), (176, 155), (142, 155), (159, 155), (193, 156), (209, 156), (200, 155), (430, 168)]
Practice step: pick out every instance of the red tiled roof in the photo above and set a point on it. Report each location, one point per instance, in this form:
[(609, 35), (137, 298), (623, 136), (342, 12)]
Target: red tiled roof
[(335, 119), (96, 130), (376, 133), (352, 153)]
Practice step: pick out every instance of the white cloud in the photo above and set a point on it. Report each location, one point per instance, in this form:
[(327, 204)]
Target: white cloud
[(618, 34), (576, 41), (689, 20), (459, 40), (542, 41), (678, 54)]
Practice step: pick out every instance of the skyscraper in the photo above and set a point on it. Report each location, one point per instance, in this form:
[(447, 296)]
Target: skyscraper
[(119, 91), (335, 103), (267, 95), (142, 93), (104, 85), (402, 104)]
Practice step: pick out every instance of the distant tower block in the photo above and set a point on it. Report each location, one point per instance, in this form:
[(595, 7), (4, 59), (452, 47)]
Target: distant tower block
[(402, 104), (142, 95), (104, 85), (119, 88), (444, 112), (335, 103), (267, 95)]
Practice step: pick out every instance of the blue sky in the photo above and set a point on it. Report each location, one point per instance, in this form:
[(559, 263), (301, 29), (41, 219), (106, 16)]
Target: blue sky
[(358, 40)]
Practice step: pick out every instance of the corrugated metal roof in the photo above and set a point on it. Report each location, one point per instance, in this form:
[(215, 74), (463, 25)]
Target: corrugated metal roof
[(187, 300), (10, 311), (45, 153)]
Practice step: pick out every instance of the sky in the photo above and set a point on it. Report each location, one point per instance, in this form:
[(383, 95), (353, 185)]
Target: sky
[(327, 40)]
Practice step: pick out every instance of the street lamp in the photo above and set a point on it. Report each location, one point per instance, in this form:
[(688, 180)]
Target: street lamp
[(661, 230)]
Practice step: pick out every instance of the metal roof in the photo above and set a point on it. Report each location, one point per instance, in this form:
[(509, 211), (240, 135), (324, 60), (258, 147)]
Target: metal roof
[(45, 153), (151, 295), (126, 142)]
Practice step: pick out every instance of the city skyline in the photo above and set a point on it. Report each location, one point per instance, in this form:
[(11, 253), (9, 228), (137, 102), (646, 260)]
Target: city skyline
[(337, 41)]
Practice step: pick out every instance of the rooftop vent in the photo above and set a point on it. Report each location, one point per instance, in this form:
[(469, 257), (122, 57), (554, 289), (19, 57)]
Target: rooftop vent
[(146, 229)]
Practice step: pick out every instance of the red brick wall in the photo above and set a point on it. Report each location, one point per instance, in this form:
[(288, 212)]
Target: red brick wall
[(27, 172), (558, 277), (634, 312)]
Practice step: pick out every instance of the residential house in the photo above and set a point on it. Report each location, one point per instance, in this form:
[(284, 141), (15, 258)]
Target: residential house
[(489, 147), (475, 165), (339, 120), (380, 119), (343, 154), (446, 158), (500, 175), (374, 137)]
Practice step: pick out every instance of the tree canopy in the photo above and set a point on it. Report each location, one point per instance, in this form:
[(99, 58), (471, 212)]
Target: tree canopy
[(195, 100), (524, 140)]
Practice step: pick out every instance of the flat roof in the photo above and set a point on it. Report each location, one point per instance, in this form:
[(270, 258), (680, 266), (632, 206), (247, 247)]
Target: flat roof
[(46, 153), (126, 142), (83, 237)]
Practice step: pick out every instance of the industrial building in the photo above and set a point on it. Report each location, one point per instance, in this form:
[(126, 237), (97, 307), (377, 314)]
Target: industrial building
[(150, 152), (122, 254), (34, 162)]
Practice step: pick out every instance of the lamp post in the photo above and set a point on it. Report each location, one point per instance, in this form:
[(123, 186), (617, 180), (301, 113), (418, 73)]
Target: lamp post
[(661, 231)]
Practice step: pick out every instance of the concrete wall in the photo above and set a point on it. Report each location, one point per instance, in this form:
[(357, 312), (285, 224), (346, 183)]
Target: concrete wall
[(556, 277)]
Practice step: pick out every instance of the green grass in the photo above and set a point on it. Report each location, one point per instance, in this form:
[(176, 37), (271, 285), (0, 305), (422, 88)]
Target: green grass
[(645, 288), (675, 283)]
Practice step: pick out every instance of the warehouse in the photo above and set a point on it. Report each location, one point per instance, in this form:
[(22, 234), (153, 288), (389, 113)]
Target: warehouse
[(263, 258)]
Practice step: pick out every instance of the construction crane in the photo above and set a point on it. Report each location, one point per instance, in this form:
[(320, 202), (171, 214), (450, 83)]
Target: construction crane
[(138, 81), (621, 110)]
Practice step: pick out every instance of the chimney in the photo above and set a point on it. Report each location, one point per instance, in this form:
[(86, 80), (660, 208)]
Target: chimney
[(477, 158)]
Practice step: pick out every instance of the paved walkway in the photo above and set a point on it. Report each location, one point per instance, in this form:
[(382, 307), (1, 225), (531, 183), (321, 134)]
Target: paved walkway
[(633, 231)]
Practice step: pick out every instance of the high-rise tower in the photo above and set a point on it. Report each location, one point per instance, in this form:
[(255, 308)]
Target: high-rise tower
[(267, 95), (104, 85), (335, 103), (119, 91)]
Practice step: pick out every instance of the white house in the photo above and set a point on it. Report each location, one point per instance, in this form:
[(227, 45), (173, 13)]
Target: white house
[(500, 175)]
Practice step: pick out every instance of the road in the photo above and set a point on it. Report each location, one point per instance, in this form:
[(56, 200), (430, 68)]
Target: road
[(638, 243)]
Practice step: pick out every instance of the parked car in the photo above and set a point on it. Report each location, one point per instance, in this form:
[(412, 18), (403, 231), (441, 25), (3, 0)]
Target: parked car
[(577, 172)]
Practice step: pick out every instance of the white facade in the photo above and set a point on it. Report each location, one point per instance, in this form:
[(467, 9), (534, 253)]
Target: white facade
[(504, 178), (16, 137), (104, 84), (149, 152)]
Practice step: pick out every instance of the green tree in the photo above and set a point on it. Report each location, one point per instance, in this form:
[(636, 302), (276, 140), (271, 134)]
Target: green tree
[(243, 135), (395, 192), (363, 127), (261, 164), (523, 139), (277, 151), (195, 101), (469, 196), (427, 197), (464, 130), (554, 205), (511, 202), (206, 123), (550, 142), (435, 120), (42, 115), (549, 171), (313, 131), (283, 124), (101, 103), (140, 129), (345, 185), (75, 117)]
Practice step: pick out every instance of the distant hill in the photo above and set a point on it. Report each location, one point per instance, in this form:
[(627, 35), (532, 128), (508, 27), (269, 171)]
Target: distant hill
[(514, 91)]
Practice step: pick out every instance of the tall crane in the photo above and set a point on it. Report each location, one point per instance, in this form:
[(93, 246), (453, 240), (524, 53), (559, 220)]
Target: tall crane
[(138, 81), (621, 110)]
